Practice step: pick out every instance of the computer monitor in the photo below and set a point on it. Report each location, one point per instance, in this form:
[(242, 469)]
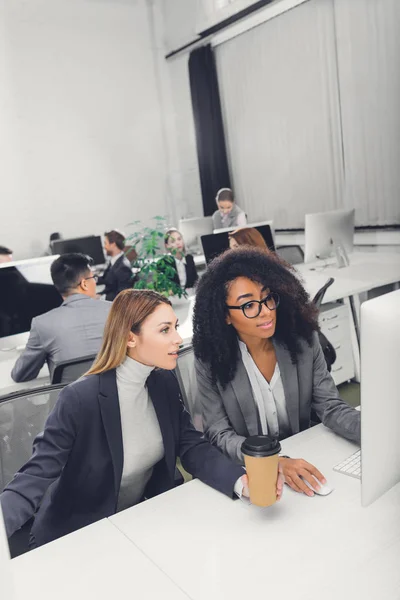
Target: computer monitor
[(193, 229), (380, 397), (35, 270), (90, 245), (26, 291), (325, 231), (216, 243), (258, 224)]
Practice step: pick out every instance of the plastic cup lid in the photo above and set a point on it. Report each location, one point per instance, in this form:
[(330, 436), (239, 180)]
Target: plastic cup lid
[(261, 445)]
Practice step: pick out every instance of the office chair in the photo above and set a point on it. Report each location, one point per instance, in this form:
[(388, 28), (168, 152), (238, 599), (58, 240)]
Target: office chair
[(22, 417), (68, 371), (319, 296), (186, 375), (327, 348), (294, 255)]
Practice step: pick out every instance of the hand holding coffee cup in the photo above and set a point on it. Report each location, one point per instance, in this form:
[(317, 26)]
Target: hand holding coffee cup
[(261, 458), (279, 485)]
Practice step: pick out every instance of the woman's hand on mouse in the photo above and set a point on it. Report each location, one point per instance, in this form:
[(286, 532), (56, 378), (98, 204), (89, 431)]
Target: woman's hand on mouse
[(279, 485), (294, 469)]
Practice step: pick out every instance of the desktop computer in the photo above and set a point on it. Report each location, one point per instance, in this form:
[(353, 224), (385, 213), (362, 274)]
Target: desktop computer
[(327, 232), (26, 291), (216, 243), (378, 463), (193, 229), (91, 245)]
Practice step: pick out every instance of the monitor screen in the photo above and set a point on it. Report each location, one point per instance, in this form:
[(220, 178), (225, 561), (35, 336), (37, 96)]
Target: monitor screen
[(192, 230), (21, 300), (90, 245), (325, 231), (216, 243)]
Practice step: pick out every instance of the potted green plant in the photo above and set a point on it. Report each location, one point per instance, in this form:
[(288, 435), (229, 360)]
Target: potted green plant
[(153, 273)]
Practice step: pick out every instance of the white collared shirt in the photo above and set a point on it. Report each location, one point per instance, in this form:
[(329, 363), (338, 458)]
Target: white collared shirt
[(181, 270), (269, 397), (114, 259)]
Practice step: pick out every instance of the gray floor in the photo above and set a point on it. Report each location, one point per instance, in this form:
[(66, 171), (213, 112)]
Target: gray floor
[(350, 393)]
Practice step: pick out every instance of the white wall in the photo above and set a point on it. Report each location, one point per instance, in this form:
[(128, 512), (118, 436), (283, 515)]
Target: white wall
[(180, 19), (82, 146)]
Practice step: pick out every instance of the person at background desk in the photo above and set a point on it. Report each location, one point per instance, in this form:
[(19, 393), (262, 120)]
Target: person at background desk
[(259, 363), (118, 275), (74, 329), (247, 236), (229, 214), (114, 435), (183, 263), (6, 255)]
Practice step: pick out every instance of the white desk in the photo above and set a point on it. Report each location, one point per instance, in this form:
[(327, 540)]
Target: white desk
[(96, 562), (365, 272), (326, 548)]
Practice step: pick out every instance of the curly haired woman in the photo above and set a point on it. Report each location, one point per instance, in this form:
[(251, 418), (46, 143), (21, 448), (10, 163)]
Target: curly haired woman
[(259, 363)]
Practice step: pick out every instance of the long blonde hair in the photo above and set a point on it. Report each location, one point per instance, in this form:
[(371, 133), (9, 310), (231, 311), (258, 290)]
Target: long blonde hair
[(128, 311)]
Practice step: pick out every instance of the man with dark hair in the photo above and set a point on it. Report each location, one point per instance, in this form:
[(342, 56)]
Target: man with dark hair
[(118, 275), (6, 255), (74, 329)]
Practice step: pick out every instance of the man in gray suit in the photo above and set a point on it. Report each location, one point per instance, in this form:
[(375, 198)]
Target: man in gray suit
[(74, 329)]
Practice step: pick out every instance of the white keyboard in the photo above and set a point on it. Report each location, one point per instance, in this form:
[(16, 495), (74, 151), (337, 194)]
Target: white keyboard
[(351, 466)]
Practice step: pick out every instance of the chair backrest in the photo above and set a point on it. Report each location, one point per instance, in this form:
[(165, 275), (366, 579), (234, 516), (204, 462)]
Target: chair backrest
[(186, 375), (294, 255), (70, 370), (319, 296), (22, 417)]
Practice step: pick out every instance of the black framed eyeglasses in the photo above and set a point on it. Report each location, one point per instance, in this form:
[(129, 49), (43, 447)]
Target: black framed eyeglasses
[(252, 309), (95, 277)]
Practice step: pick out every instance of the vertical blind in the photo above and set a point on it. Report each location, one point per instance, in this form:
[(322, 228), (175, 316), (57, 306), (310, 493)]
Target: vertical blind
[(311, 110), (368, 50)]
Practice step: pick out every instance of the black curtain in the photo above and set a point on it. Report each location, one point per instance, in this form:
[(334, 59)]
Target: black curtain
[(210, 139)]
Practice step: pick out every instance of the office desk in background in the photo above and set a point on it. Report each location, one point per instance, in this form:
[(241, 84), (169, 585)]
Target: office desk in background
[(316, 548), (8, 359), (96, 562)]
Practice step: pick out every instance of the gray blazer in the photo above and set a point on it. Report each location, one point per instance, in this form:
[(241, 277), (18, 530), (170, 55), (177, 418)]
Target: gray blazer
[(230, 415), (70, 331), (231, 221)]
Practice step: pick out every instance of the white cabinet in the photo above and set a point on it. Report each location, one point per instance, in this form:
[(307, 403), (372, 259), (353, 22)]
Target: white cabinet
[(334, 321)]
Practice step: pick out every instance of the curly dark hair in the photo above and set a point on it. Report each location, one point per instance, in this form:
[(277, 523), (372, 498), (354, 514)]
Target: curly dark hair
[(214, 341)]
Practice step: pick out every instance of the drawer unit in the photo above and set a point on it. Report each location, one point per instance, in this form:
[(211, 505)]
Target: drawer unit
[(335, 325)]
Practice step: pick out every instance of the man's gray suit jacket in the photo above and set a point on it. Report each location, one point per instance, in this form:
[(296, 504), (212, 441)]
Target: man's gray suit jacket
[(73, 330), (230, 415)]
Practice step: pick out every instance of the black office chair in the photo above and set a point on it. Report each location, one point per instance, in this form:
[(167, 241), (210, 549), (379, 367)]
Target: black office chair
[(327, 348), (319, 296), (294, 255), (68, 371), (22, 417)]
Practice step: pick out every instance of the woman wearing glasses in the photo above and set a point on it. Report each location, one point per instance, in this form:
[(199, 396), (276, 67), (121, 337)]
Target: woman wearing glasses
[(259, 364)]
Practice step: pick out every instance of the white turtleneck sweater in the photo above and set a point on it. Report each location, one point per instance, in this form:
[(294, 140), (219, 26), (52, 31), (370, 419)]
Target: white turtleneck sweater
[(141, 436)]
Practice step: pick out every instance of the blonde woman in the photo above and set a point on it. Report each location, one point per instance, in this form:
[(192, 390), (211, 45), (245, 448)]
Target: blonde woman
[(113, 437)]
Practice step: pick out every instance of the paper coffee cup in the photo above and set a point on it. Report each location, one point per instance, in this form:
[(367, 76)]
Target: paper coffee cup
[(261, 458)]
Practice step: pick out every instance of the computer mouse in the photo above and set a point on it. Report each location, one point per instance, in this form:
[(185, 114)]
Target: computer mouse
[(324, 489)]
